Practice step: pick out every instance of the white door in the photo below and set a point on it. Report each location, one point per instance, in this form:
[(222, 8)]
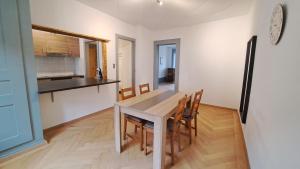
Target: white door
[(125, 63)]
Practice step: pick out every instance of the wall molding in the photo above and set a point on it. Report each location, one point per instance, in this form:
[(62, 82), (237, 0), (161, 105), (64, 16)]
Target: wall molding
[(9, 159), (232, 109)]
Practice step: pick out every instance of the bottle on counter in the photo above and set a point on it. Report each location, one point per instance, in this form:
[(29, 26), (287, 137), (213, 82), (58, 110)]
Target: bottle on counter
[(99, 73)]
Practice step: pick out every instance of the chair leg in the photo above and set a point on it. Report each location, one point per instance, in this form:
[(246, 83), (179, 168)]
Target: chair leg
[(190, 130), (172, 150), (146, 134), (185, 124), (135, 128), (142, 137), (195, 121), (179, 142), (125, 129), (179, 139)]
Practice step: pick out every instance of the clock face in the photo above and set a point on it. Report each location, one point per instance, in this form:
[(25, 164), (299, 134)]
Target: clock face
[(276, 24)]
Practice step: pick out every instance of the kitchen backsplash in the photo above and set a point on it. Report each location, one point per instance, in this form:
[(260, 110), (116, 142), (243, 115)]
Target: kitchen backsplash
[(56, 65)]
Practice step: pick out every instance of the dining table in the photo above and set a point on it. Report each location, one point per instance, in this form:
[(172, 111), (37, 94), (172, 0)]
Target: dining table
[(155, 106)]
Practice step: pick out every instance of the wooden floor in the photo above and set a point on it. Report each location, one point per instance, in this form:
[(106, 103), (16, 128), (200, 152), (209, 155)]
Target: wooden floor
[(89, 144)]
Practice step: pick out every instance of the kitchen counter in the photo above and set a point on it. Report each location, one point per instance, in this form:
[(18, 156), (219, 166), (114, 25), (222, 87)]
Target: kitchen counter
[(68, 84)]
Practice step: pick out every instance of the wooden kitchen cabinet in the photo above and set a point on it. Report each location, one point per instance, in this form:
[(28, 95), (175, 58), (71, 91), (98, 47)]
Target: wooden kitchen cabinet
[(39, 41), (57, 45), (51, 44), (73, 45)]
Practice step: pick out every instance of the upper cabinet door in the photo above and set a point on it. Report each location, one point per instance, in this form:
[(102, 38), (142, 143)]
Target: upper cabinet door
[(39, 41), (57, 44), (73, 44), (15, 126)]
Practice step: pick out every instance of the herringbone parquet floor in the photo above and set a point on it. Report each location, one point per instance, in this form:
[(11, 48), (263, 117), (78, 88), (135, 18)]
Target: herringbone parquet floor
[(89, 144)]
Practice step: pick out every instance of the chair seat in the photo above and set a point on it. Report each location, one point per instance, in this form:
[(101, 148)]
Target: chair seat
[(187, 116), (170, 124), (150, 124), (134, 118)]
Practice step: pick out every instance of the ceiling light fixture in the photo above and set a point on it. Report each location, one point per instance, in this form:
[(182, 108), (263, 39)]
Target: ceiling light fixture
[(160, 2)]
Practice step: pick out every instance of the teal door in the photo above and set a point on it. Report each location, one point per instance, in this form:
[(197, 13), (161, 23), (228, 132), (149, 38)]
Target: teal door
[(15, 126)]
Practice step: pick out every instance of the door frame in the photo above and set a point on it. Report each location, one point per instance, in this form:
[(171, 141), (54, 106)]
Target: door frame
[(156, 61), (133, 41)]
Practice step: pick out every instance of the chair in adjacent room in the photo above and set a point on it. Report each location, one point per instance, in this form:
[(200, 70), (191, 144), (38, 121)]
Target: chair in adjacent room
[(128, 93)]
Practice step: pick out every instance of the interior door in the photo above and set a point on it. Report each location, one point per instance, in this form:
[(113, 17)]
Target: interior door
[(92, 60), (14, 110), (125, 63)]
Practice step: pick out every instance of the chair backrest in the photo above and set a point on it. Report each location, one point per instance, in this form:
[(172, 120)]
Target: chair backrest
[(189, 101), (179, 114), (127, 93), (196, 101), (144, 88)]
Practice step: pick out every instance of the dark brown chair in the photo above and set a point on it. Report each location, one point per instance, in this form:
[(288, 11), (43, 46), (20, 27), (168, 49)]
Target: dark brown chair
[(173, 128), (190, 114), (128, 93), (144, 88)]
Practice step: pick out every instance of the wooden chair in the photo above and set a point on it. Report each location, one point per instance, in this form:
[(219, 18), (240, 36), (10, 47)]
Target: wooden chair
[(190, 114), (144, 88), (173, 128), (128, 93)]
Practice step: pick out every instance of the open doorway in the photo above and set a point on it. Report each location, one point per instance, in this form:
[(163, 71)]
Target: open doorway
[(92, 59), (166, 64), (125, 59)]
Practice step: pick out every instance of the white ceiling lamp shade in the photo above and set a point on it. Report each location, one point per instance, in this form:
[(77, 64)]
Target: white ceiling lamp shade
[(160, 2)]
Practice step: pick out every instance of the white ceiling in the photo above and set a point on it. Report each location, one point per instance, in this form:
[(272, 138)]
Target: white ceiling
[(174, 13)]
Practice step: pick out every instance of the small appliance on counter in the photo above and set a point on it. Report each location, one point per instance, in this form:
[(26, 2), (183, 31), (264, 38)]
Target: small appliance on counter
[(99, 73)]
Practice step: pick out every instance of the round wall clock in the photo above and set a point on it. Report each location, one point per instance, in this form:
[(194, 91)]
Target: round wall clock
[(277, 22)]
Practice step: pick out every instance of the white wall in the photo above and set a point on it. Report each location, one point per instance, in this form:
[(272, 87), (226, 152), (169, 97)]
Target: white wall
[(144, 57), (272, 128), (212, 57), (73, 16)]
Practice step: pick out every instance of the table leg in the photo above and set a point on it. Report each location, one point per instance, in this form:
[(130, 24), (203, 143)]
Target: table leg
[(117, 123), (159, 143)]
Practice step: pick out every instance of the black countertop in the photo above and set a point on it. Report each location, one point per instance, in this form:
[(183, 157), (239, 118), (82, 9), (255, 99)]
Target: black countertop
[(68, 84)]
